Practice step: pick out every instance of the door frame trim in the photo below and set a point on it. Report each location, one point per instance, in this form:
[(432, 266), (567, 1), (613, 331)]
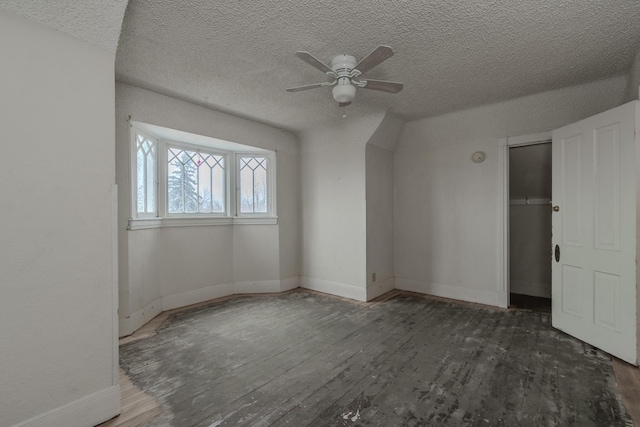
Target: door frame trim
[(503, 286)]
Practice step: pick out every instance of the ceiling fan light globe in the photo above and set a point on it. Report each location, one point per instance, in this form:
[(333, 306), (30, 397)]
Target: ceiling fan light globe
[(344, 93)]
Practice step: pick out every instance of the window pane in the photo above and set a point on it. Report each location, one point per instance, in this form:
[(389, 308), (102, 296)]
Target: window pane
[(190, 182), (204, 179), (145, 175), (260, 190), (253, 184), (174, 186), (151, 180), (196, 182), (140, 182), (218, 190)]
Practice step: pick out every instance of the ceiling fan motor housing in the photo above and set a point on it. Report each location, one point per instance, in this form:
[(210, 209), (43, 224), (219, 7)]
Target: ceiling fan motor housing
[(342, 65)]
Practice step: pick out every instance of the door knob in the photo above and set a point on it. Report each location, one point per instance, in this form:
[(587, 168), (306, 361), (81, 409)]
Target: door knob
[(556, 208), (557, 253)]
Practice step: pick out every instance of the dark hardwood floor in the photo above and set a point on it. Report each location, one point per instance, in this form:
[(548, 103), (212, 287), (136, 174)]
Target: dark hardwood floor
[(303, 359)]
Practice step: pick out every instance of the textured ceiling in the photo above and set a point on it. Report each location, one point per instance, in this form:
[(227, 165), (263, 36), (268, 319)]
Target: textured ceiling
[(238, 56), (94, 21)]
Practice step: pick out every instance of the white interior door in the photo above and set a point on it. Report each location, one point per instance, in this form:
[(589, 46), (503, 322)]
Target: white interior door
[(594, 231)]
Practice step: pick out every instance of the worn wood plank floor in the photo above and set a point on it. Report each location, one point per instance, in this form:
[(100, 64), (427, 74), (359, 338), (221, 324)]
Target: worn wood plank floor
[(137, 407), (307, 359), (628, 379)]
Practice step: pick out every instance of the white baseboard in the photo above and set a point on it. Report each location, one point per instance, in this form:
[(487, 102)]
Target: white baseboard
[(289, 284), (89, 410), (503, 299), (481, 296), (195, 296), (235, 288), (380, 288), (256, 287), (266, 286), (334, 288), (135, 320)]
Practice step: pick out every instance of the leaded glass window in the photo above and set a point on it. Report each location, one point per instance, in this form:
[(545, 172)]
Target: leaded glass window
[(146, 157), (196, 181), (253, 184), (181, 179)]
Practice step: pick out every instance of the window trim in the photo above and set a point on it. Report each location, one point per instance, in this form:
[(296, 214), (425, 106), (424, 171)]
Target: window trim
[(232, 214), (147, 223)]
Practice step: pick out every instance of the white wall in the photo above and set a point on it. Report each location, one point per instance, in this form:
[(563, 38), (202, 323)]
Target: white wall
[(170, 267), (289, 212), (379, 202), (57, 308), (334, 207), (446, 206), (256, 253)]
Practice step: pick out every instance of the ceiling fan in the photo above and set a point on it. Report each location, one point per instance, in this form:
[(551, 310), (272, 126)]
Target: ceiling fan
[(346, 74)]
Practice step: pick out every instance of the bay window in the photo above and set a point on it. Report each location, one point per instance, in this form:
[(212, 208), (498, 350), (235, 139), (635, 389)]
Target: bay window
[(185, 179)]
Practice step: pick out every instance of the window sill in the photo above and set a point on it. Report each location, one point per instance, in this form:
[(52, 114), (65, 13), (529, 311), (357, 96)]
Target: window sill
[(146, 223)]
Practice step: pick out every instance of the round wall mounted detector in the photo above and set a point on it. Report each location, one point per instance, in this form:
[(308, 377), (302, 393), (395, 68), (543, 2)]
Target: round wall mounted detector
[(478, 157)]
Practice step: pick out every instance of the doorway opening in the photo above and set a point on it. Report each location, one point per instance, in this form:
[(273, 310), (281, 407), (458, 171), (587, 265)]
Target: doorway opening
[(529, 218)]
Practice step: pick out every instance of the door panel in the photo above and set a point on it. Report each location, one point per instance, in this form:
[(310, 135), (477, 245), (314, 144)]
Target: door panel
[(594, 184), (572, 189), (607, 300), (572, 290), (607, 192)]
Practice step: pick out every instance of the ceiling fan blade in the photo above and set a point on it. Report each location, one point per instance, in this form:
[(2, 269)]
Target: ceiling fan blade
[(313, 86), (379, 54), (314, 62), (381, 85)]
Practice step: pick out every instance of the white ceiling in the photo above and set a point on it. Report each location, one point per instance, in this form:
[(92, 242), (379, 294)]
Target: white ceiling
[(238, 55), (95, 21)]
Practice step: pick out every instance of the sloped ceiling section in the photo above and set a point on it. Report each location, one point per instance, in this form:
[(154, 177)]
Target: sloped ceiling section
[(94, 21), (238, 56)]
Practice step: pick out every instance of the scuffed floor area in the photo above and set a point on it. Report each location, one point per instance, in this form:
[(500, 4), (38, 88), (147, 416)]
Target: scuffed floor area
[(306, 359)]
